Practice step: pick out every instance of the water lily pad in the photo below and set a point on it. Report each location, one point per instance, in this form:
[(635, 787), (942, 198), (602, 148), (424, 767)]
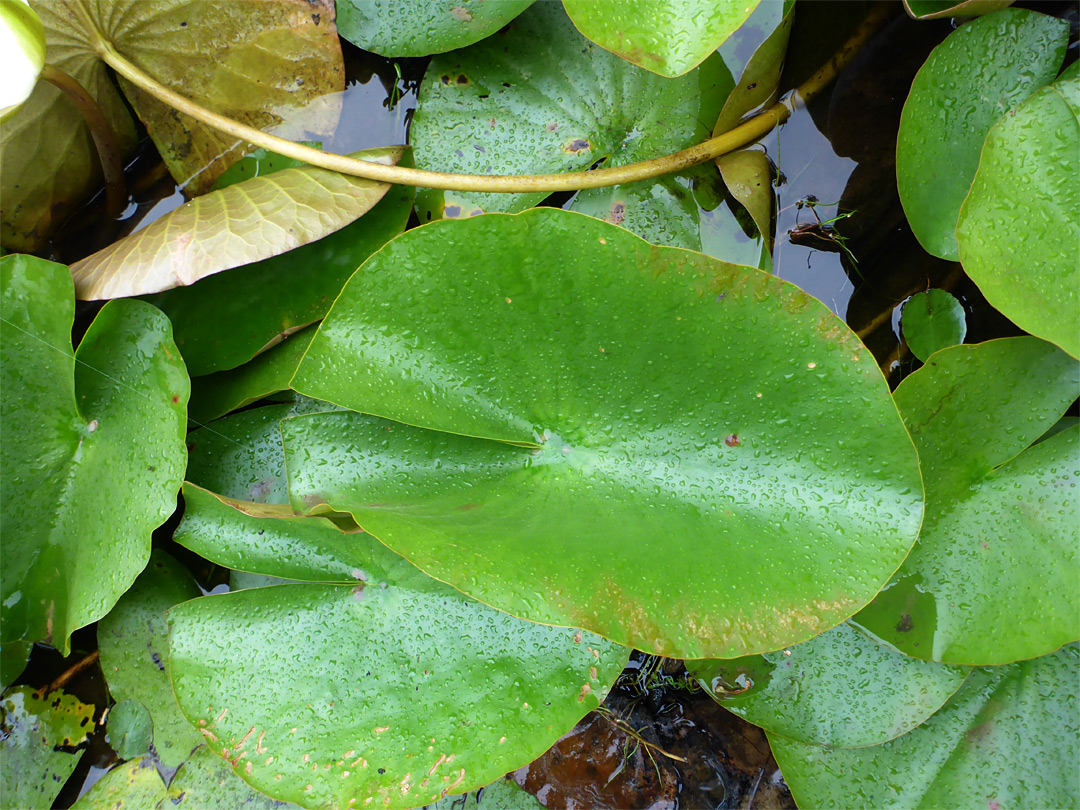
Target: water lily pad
[(840, 689), (502, 794), (130, 729), (669, 37), (981, 71), (134, 785), (935, 9), (669, 450), (13, 658), (207, 781), (216, 394), (233, 226), (933, 320), (992, 578), (135, 655), (1028, 267), (327, 695), (104, 426), (226, 319), (1007, 738), (536, 98), (34, 764), (422, 27)]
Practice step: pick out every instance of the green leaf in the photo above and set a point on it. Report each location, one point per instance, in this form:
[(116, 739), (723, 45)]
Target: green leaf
[(992, 578), (134, 785), (48, 162), (1008, 738), (936, 9), (502, 794), (668, 37), (13, 658), (662, 422), (217, 394), (23, 38), (1028, 267), (228, 318), (92, 446), (326, 695), (538, 98), (33, 765), (130, 729), (422, 27), (981, 71), (748, 175), (931, 321), (240, 456), (839, 689), (237, 535), (274, 65), (258, 163), (135, 654), (233, 226), (207, 782)]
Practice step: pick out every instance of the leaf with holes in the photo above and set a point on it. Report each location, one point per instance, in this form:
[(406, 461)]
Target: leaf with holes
[(102, 425), (638, 429)]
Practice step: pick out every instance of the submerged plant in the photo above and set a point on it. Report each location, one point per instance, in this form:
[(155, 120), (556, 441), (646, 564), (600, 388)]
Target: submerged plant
[(457, 473)]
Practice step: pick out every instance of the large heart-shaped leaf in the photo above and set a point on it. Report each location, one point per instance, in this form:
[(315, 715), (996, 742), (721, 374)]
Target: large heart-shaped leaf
[(1029, 267), (422, 27), (228, 318), (102, 426), (237, 225), (538, 98), (975, 76), (1007, 738), (669, 37), (401, 692), (134, 649), (840, 689), (680, 445), (993, 576)]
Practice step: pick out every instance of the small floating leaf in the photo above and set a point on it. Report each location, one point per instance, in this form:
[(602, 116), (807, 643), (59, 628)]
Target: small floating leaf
[(992, 578), (931, 321), (1007, 738), (669, 37), (236, 225), (658, 422), (130, 729), (982, 70), (134, 785), (105, 425)]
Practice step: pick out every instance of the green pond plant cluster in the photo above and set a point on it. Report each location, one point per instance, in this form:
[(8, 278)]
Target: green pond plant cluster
[(459, 471)]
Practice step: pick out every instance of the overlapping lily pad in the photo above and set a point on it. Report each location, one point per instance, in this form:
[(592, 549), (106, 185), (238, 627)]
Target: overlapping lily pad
[(135, 654), (840, 689), (666, 449), (669, 37), (992, 578), (102, 425), (1028, 267), (134, 785), (1008, 738), (978, 74), (422, 27), (207, 781), (932, 321)]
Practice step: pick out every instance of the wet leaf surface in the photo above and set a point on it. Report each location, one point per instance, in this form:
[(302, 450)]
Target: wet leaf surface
[(134, 644), (36, 732), (537, 98), (502, 794), (226, 319), (206, 781), (233, 226), (666, 37), (1008, 738), (653, 396), (932, 321), (840, 689), (422, 27), (1028, 267), (130, 729), (400, 692), (992, 578), (134, 785), (93, 450), (978, 74)]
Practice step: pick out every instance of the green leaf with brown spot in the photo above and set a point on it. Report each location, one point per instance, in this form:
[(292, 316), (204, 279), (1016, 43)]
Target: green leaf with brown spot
[(207, 782)]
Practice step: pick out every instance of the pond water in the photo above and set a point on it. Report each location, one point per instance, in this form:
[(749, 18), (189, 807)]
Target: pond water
[(832, 159)]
